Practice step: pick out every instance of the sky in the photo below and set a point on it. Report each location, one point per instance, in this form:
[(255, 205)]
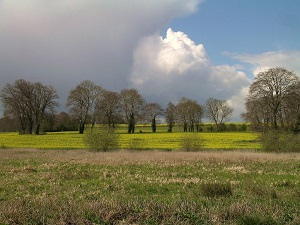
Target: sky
[(167, 49)]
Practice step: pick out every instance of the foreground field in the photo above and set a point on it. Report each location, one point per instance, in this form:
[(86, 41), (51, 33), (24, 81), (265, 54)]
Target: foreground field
[(130, 187), (145, 140)]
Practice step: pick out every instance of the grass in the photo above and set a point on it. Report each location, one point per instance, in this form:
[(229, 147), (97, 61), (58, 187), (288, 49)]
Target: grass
[(148, 187), (145, 140)]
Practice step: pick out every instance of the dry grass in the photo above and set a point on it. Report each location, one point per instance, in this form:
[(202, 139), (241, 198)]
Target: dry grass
[(142, 157), (148, 187)]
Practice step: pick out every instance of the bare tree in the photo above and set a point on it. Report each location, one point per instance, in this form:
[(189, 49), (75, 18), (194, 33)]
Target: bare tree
[(272, 88), (16, 103), (43, 103), (218, 111), (131, 104), (197, 115), (29, 102), (189, 113), (257, 114), (170, 114), (291, 109), (82, 101), (109, 106), (151, 111), (181, 115)]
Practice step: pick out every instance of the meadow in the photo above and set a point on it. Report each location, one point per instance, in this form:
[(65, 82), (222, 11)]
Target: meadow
[(148, 187), (54, 179)]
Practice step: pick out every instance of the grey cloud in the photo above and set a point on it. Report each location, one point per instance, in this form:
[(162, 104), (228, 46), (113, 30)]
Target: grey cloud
[(64, 42)]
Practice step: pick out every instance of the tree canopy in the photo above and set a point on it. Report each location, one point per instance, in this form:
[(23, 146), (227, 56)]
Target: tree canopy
[(82, 101), (131, 103), (29, 102), (273, 100), (218, 111)]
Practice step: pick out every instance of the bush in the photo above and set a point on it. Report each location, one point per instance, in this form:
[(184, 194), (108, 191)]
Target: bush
[(216, 189), (279, 141), (243, 127), (191, 142), (257, 220), (136, 143), (102, 140), (231, 127)]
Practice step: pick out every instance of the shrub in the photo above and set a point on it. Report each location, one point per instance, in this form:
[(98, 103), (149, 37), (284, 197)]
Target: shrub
[(102, 140), (231, 127), (243, 127), (259, 190), (136, 143), (279, 141), (216, 189), (191, 142), (222, 127), (256, 219)]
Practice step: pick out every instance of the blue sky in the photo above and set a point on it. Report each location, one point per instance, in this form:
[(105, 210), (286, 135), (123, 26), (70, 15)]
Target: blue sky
[(167, 49), (243, 26)]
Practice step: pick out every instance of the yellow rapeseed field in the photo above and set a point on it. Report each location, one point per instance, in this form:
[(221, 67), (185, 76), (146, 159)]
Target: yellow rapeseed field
[(143, 141)]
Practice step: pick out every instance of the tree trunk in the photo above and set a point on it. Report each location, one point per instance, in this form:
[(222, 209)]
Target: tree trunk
[(37, 124), (153, 125), (131, 124), (81, 128), (192, 128), (23, 125), (37, 129), (170, 127), (218, 126), (185, 127), (113, 123), (109, 122), (129, 127), (93, 124), (30, 127), (275, 126), (197, 127)]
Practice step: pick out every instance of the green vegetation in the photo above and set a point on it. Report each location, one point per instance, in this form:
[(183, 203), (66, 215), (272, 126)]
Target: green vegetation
[(130, 187), (279, 141), (102, 140), (191, 142), (41, 185)]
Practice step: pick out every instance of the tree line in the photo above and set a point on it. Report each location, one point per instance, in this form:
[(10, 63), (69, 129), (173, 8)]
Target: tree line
[(29, 106), (273, 102)]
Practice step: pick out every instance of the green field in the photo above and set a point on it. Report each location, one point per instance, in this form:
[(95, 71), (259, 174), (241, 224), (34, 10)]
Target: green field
[(148, 187), (146, 140)]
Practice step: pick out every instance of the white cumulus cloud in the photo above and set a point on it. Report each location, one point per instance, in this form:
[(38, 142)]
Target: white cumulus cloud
[(166, 69), (290, 60)]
